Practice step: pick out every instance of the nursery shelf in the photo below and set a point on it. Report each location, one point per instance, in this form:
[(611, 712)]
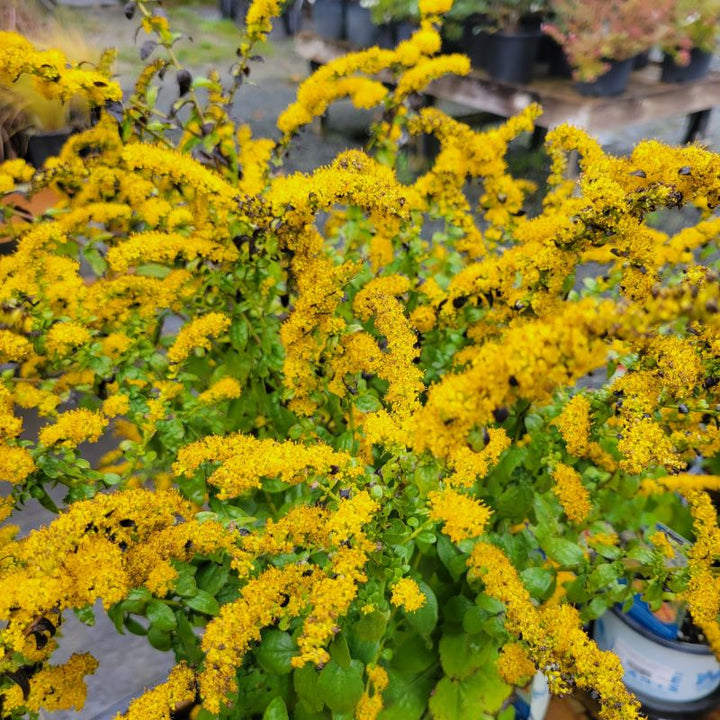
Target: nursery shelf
[(645, 100)]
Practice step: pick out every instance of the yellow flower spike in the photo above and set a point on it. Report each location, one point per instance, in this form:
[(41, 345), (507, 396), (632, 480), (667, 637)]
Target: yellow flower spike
[(462, 516), (55, 687), (198, 333), (435, 7), (573, 495), (74, 427), (161, 700), (515, 666)]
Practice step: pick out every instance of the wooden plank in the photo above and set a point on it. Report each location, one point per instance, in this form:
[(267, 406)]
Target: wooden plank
[(645, 100)]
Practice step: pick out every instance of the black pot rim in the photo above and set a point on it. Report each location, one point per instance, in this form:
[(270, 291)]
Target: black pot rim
[(686, 647), (524, 34)]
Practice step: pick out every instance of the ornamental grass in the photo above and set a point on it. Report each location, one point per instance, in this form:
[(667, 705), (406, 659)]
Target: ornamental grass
[(366, 477)]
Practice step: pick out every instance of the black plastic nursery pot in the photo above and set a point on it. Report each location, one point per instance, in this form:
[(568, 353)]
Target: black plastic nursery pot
[(42, 146), (612, 82), (696, 69), (511, 56), (328, 19), (641, 60), (234, 9), (673, 680), (403, 31), (360, 30), (472, 42), (558, 63)]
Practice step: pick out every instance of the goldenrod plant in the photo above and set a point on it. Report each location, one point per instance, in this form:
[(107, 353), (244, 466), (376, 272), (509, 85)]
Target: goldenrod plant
[(364, 478)]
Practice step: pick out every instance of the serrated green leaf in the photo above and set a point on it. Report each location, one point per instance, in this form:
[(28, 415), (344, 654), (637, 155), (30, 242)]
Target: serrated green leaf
[(602, 576)]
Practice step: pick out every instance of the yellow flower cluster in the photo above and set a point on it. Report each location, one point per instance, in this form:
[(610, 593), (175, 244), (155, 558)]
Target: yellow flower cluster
[(55, 687), (53, 75), (407, 594), (225, 389), (63, 337), (462, 516), (572, 494), (74, 427), (227, 638), (16, 464), (555, 641), (370, 705), (514, 664), (245, 460), (163, 699), (197, 334)]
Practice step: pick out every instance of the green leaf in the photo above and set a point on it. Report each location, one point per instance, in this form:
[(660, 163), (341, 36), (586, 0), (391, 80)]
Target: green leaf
[(413, 655), (160, 615), (85, 615), (136, 600), (477, 696), (211, 577), (275, 653), (305, 682), (564, 552), (340, 688), (193, 488), (134, 626), (185, 584), (406, 697), (370, 627), (340, 652), (95, 260), (462, 654), (153, 270), (204, 603), (539, 582), (641, 554), (424, 619), (368, 404), (515, 502), (239, 333), (159, 639), (189, 641), (116, 614), (276, 710), (603, 576)]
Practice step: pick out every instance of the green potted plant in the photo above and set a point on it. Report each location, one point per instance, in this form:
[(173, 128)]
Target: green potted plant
[(691, 40), (51, 115), (500, 36), (601, 38), (398, 19)]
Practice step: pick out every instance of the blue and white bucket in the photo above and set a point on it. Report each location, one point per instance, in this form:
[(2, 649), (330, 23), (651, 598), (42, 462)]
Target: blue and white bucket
[(657, 667)]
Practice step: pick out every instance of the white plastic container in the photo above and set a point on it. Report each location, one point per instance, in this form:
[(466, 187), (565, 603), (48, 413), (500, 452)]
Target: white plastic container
[(656, 668)]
